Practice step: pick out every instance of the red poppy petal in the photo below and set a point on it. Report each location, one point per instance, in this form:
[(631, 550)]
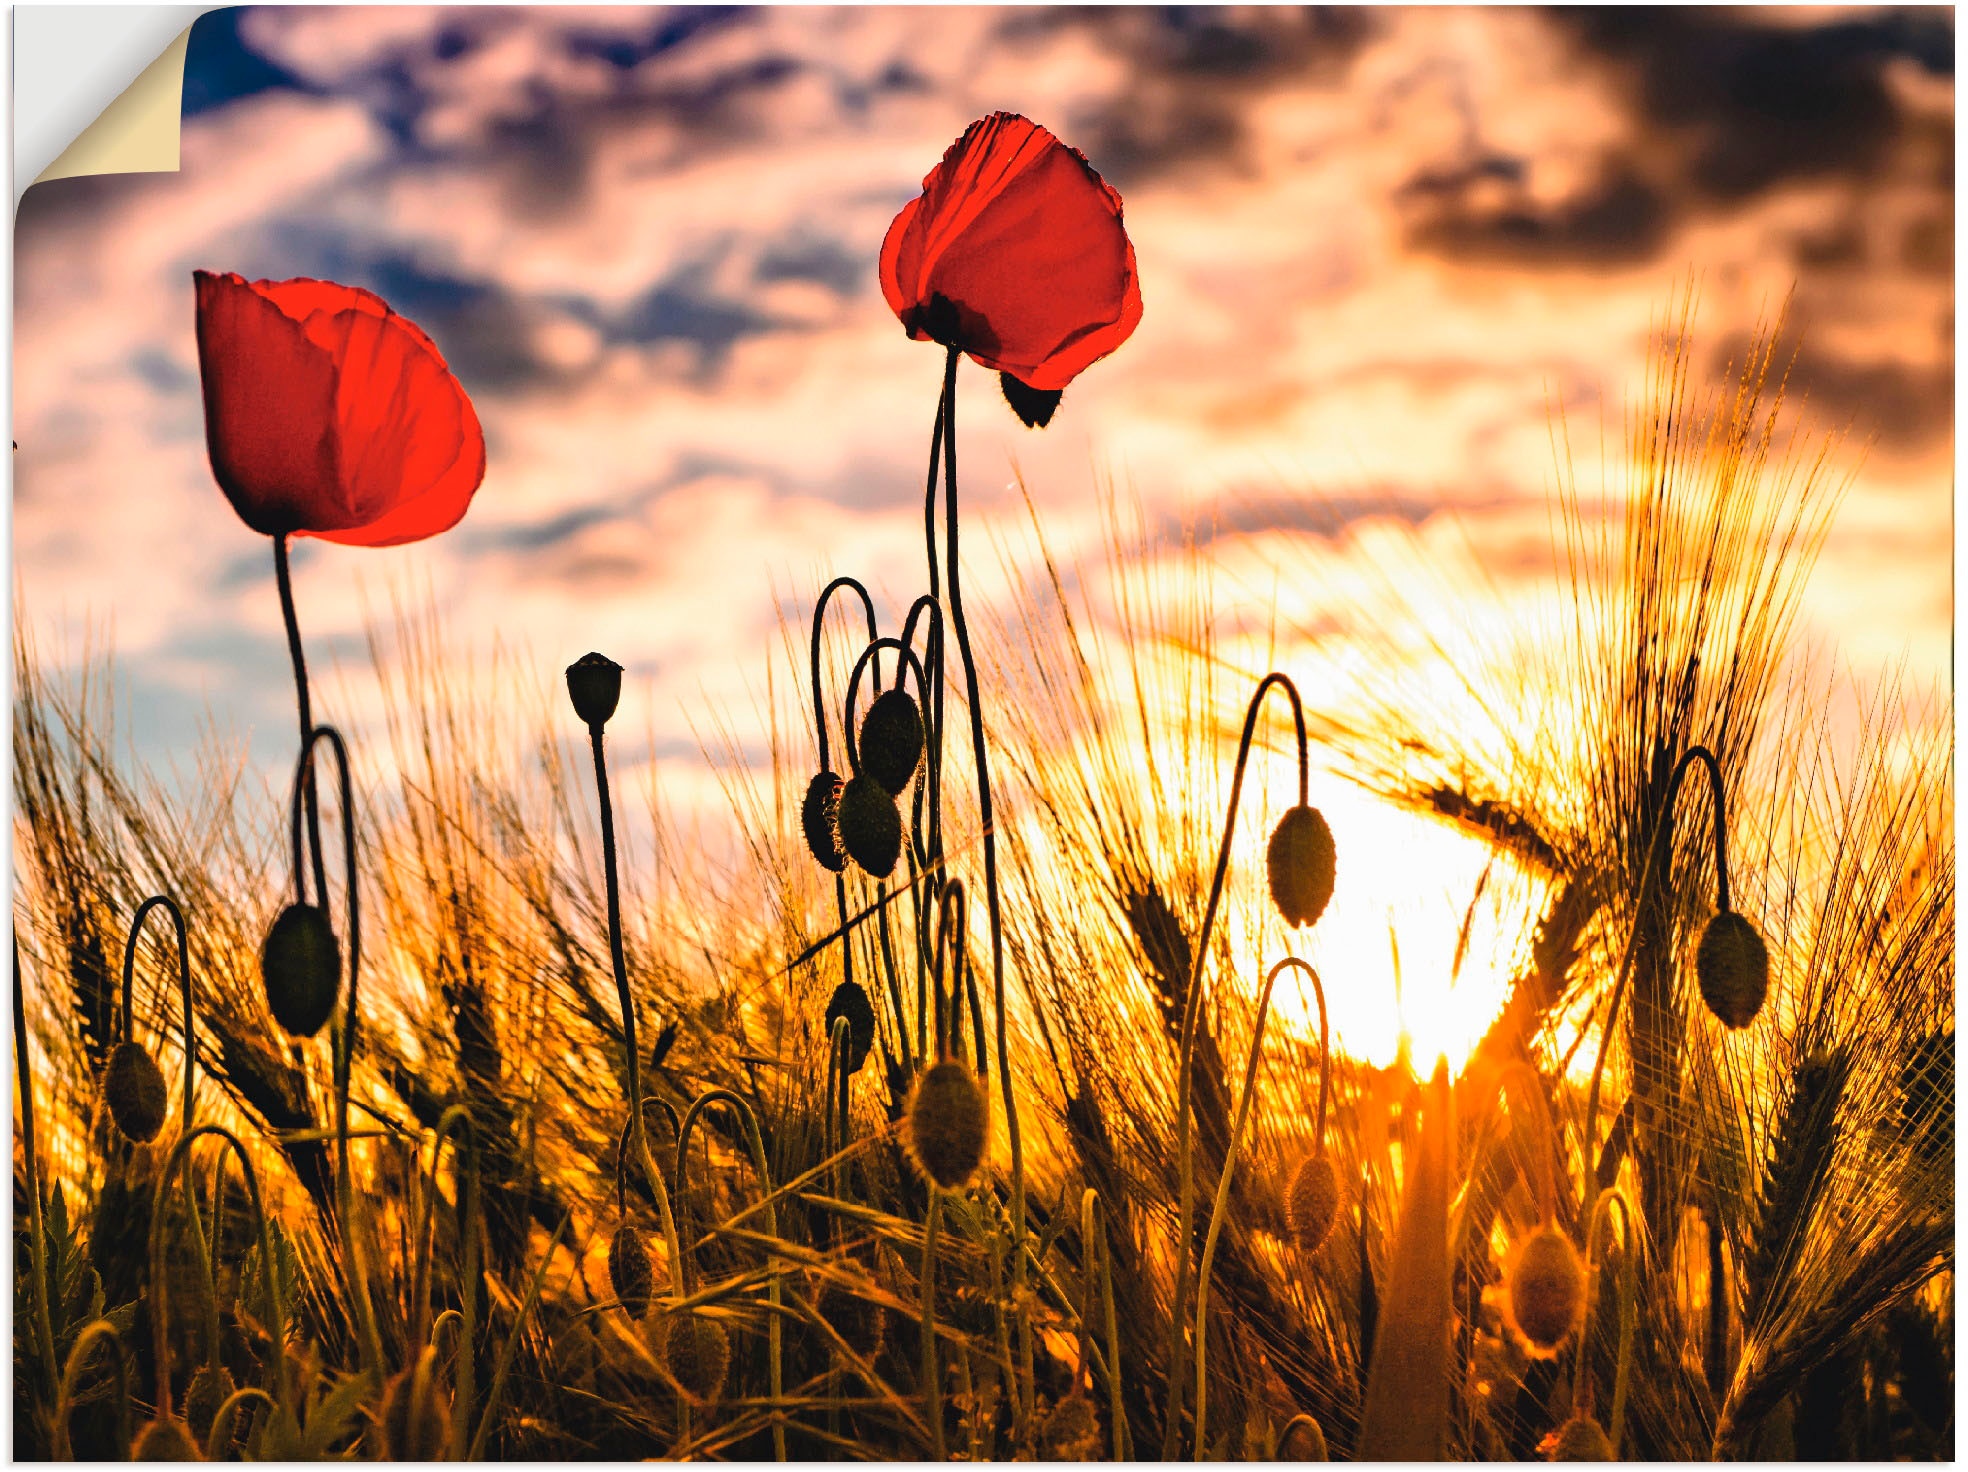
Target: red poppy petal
[(1026, 240), (437, 509), (268, 395)]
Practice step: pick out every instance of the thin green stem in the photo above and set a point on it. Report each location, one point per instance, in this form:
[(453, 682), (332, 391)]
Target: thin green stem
[(180, 1153), (283, 578), (1229, 1169), (757, 1144), (619, 960), (170, 907), (101, 1331), (1191, 1010), (932, 1389)]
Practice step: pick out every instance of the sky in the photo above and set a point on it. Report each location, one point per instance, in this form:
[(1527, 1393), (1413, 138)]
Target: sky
[(1379, 252)]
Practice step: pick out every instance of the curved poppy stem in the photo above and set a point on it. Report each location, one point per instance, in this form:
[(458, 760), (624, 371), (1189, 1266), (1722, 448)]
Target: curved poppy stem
[(618, 959), (159, 1280), (622, 1152), (819, 616), (97, 1332), (447, 1129), (351, 1015), (1595, 1267), (170, 907), (1230, 1166), (1191, 1010), (1656, 863), (1093, 1239), (24, 1080), (927, 852), (906, 663), (283, 578), (757, 1144), (987, 821)]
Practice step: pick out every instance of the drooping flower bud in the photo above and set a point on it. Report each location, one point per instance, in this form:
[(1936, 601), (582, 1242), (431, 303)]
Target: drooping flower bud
[(301, 965), (1312, 1202), (1546, 1290), (1733, 966), (594, 684), (165, 1441), (209, 1389), (1072, 1431), (850, 1000), (1304, 1442), (870, 825), (892, 739), (820, 818), (696, 1351), (133, 1087), (947, 1123), (1300, 861), (630, 1271), (1578, 1440)]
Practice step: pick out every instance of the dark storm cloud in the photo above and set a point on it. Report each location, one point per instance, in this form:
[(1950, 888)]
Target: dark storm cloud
[(1725, 105), (1194, 69), (220, 68), (1759, 103), (1907, 406)]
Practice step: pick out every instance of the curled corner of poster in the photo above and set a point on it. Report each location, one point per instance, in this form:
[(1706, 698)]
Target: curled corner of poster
[(137, 132)]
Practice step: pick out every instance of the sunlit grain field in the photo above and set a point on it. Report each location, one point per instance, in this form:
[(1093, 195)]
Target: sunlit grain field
[(1112, 1024), (1479, 1223)]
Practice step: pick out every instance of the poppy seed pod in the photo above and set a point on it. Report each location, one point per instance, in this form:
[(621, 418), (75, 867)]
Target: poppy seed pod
[(892, 739), (1300, 861), (696, 1352), (870, 825), (416, 1422), (1312, 1202), (820, 818), (301, 964), (208, 1390), (594, 684), (1733, 966), (133, 1087), (629, 1270), (946, 1125), (850, 1000), (1546, 1291), (165, 1441), (1072, 1431), (1579, 1440)]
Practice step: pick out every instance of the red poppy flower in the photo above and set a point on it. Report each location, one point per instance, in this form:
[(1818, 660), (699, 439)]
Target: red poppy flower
[(328, 415), (1015, 253)]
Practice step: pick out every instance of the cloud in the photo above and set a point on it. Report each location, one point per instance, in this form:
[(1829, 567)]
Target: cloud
[(1380, 251)]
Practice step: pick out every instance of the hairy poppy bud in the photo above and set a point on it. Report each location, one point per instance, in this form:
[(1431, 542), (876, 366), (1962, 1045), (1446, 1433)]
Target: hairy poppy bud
[(850, 1000), (209, 1389), (416, 1419), (629, 1270), (1733, 966), (1072, 1431), (860, 1321), (594, 684), (1546, 1291), (892, 739), (133, 1086), (870, 826), (696, 1352), (1578, 1440), (165, 1441), (946, 1125), (1312, 1202), (1304, 1442), (301, 964), (820, 817), (1300, 861)]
